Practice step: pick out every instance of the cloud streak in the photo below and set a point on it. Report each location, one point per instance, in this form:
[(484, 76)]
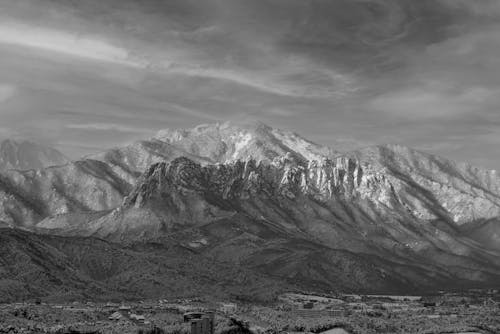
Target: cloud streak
[(63, 42)]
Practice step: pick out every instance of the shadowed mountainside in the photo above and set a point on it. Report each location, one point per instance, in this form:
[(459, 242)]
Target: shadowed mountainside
[(41, 266)]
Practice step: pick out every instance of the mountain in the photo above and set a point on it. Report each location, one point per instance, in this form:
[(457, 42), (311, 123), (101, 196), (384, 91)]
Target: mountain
[(486, 232), (63, 269), (26, 155), (228, 142), (336, 213), (385, 218), (88, 186), (211, 143), (100, 182)]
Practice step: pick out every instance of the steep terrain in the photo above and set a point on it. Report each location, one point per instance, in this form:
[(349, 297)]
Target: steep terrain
[(26, 155), (384, 218)]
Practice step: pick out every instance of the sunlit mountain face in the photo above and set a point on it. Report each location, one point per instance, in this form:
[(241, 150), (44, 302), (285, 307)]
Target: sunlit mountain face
[(84, 76)]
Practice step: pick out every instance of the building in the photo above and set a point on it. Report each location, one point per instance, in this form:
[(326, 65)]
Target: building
[(115, 316), (125, 308), (395, 307), (309, 305), (203, 325), (228, 308), (188, 316), (315, 313), (138, 318), (111, 305)]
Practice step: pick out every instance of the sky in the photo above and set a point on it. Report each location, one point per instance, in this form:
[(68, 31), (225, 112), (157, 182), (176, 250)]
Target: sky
[(84, 76)]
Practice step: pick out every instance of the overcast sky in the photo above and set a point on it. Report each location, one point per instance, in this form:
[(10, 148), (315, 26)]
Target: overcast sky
[(86, 75)]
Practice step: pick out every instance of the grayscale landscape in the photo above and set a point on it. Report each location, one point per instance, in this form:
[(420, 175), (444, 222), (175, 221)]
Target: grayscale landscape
[(253, 167)]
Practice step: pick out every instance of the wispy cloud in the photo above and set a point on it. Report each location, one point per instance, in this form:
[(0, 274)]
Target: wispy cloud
[(109, 127), (64, 43), (276, 81), (427, 102), (295, 79)]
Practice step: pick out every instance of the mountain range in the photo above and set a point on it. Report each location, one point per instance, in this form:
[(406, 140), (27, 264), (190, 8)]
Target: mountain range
[(23, 154), (256, 200)]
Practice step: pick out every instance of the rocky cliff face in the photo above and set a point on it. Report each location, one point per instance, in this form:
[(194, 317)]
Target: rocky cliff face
[(454, 196), (325, 180)]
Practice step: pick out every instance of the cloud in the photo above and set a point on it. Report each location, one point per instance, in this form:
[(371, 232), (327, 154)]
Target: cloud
[(109, 127), (427, 102), (297, 82), (300, 78), (64, 43), (7, 92), (482, 7)]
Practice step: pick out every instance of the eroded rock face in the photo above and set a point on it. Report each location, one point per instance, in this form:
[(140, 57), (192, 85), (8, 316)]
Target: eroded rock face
[(345, 201), (324, 180), (344, 178)]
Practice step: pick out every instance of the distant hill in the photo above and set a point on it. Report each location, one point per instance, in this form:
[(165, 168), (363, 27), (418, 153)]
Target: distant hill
[(55, 268), (26, 155)]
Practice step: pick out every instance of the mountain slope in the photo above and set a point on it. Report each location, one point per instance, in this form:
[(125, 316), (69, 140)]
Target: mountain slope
[(27, 197), (33, 266), (26, 155), (131, 161), (463, 191)]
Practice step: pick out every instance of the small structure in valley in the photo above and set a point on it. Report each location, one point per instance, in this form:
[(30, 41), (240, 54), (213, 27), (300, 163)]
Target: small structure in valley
[(204, 324), (115, 316), (138, 318), (228, 308), (188, 316)]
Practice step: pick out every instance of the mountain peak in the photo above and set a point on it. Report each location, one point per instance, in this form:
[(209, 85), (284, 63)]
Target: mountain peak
[(228, 141)]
